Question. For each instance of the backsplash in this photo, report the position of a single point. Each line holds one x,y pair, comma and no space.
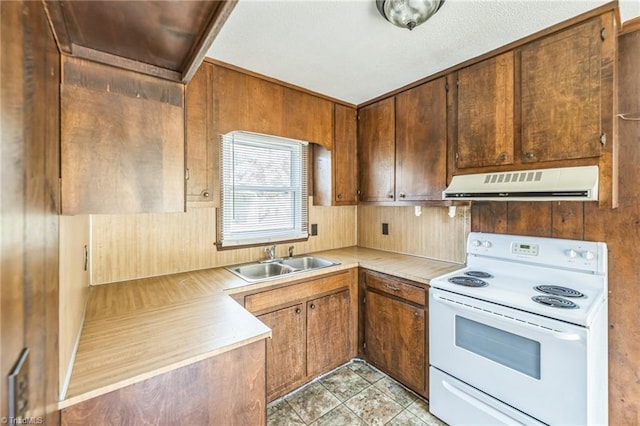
126,247
433,234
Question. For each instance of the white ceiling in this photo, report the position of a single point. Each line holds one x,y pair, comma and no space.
346,50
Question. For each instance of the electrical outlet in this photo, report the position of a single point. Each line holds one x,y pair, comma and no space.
19,387
314,229
385,229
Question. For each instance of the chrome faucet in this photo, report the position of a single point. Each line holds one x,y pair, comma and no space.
271,253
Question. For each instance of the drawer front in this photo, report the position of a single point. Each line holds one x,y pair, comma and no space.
396,288
293,293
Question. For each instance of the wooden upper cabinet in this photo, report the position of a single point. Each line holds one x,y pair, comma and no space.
202,144
483,121
345,155
376,151
122,141
230,100
308,117
560,94
421,143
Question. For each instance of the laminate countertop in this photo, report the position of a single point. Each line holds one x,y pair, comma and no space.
134,330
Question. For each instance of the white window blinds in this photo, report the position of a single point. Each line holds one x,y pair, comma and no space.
264,189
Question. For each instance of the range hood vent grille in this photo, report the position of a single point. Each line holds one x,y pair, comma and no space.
559,184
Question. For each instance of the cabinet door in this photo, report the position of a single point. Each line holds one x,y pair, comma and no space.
421,143
122,141
308,118
376,151
484,118
345,159
286,349
201,141
395,338
560,94
328,332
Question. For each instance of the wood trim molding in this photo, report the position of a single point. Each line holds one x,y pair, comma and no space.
611,6
276,81
630,26
218,18
55,16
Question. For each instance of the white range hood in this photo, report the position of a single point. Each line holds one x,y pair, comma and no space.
559,184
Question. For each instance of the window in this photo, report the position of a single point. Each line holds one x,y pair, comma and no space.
264,189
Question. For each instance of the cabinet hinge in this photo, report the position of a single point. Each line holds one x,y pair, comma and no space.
364,346
457,83
603,34
358,117
364,300
603,139
186,174
457,157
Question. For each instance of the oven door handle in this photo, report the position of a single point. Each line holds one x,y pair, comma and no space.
498,415
555,334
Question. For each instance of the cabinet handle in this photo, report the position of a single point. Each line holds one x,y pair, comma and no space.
529,155
390,196
312,306
402,195
298,310
392,287
502,158
205,194
339,196
416,314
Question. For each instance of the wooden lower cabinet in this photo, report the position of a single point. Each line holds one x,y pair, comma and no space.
286,348
225,389
314,328
395,330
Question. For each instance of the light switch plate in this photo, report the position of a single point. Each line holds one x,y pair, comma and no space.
19,387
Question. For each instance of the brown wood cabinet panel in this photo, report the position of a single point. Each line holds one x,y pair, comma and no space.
266,107
484,113
286,350
230,101
395,338
376,151
308,118
226,389
122,141
202,145
421,142
328,332
560,94
345,156
397,288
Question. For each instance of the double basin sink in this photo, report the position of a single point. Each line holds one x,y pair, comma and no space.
261,271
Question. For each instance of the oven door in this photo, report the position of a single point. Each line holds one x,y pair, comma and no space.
535,364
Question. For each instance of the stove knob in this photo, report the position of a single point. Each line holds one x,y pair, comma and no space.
587,255
571,253
486,244
476,243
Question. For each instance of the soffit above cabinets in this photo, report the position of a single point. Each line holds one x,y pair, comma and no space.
167,39
346,50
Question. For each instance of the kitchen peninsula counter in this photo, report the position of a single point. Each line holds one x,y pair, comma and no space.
138,329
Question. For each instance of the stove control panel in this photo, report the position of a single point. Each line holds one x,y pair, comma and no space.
585,256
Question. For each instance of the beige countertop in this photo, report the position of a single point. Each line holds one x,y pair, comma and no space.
138,329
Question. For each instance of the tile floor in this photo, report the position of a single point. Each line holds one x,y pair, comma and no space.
355,394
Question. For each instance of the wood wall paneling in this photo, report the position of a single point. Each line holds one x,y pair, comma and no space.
127,247
29,245
74,288
433,234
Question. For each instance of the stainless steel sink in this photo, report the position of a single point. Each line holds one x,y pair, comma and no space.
307,262
257,271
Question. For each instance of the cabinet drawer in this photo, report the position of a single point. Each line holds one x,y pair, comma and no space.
293,293
397,288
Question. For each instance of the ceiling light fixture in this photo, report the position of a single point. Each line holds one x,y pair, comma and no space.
408,13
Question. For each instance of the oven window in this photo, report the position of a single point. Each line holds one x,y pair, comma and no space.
508,349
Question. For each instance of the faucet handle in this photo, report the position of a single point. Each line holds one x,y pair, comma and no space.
290,251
